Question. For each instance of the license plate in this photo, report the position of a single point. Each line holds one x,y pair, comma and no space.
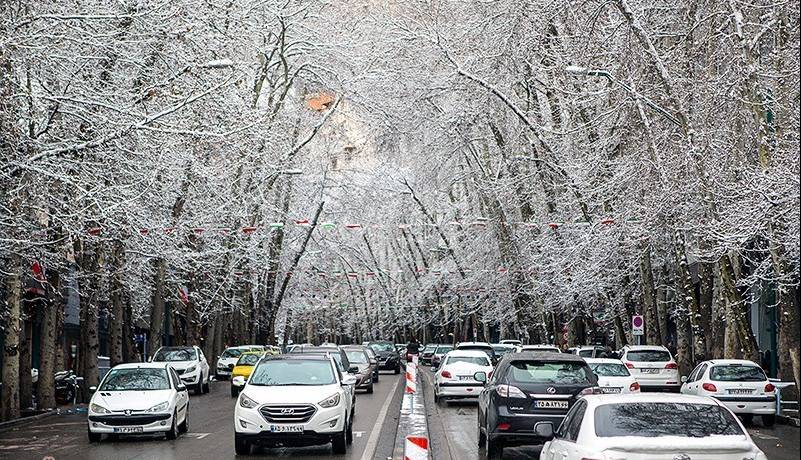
740,391
286,429
129,429
649,371
466,377
611,389
550,404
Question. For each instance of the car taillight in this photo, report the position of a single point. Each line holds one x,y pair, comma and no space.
446,375
630,366
671,366
634,387
709,387
770,388
503,426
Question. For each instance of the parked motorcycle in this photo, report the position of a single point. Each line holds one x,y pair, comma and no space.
66,387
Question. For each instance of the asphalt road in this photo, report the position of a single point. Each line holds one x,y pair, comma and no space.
211,433
454,436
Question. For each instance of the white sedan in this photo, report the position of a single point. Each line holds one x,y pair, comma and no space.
456,375
648,426
740,385
139,398
613,375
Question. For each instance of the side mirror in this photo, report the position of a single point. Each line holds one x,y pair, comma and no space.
238,381
348,380
353,370
373,361
684,379
181,387
544,430
480,377
150,359
92,389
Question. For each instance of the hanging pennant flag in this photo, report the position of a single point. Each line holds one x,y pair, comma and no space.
276,225
353,226
554,225
38,271
144,231
303,222
199,230
353,275
608,221
328,225
94,231
169,230
370,274
503,270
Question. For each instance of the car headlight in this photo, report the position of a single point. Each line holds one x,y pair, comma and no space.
331,401
246,402
190,369
160,407
98,409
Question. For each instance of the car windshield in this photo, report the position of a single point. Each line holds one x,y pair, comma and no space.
737,373
382,346
566,373
136,380
293,372
586,353
232,353
356,356
430,349
248,360
175,354
656,419
441,350
649,356
477,360
610,369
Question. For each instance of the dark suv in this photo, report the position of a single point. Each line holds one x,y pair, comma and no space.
388,357
527,388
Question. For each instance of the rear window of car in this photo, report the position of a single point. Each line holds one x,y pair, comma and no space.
610,369
232,353
649,356
477,360
430,349
737,373
585,353
657,419
248,360
445,349
565,373
381,346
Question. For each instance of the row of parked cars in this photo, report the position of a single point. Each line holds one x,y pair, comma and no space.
598,408
304,396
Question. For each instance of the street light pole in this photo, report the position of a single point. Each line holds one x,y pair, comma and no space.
576,70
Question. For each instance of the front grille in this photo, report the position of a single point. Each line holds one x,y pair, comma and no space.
180,371
288,413
128,420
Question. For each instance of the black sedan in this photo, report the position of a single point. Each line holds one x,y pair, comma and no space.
527,388
388,357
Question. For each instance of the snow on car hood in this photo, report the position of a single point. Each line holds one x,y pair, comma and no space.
225,362
291,394
130,400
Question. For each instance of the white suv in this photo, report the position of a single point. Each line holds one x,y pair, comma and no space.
227,360
740,385
653,367
189,363
294,399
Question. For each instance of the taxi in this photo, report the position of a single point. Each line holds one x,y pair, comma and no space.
244,366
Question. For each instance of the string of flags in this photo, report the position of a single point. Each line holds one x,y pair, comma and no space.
480,222
369,274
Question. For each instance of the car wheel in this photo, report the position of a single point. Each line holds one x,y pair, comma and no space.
173,433
769,420
375,376
436,396
397,370
482,438
206,387
234,391
494,448
370,389
199,387
340,443
94,437
184,426
241,446
748,419
349,433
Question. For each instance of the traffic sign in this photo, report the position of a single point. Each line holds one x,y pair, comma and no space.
637,325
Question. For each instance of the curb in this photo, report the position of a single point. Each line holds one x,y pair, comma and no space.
5,426
412,422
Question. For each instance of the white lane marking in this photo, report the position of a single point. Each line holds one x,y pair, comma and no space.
358,434
196,435
372,442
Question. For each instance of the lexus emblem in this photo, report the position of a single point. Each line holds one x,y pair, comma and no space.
127,412
552,390
682,457
288,411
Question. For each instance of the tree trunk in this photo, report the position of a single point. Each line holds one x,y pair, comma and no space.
737,319
157,308
91,271
45,387
652,334
116,323
10,394
26,345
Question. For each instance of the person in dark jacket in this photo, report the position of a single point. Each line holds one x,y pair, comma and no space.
413,348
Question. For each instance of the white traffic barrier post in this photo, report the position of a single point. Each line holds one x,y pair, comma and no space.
416,448
411,376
